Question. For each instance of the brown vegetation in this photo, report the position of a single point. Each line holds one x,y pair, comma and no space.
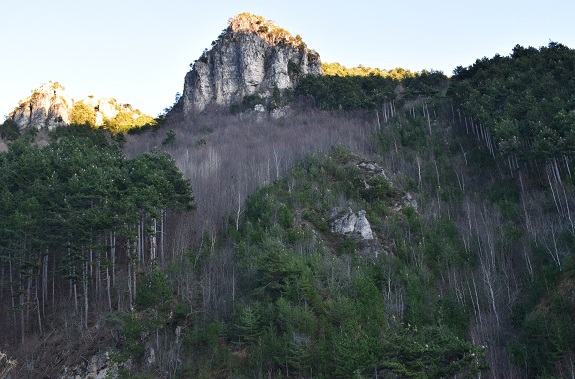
226,157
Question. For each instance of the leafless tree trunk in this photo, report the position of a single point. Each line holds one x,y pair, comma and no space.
153,241
131,292
85,285
162,236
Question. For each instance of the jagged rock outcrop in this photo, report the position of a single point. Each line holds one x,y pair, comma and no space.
406,200
99,366
251,56
346,222
48,106
373,169
105,108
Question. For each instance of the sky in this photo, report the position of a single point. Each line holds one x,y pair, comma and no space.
139,51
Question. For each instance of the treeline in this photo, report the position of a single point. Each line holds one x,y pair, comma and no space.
352,90
336,69
526,100
80,223
126,119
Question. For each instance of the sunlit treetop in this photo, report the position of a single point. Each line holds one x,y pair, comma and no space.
337,69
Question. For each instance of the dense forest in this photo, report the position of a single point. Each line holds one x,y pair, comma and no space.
67,209
470,198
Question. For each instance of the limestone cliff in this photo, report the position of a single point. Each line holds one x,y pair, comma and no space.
49,106
252,55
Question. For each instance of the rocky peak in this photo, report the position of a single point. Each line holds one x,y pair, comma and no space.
265,29
47,107
251,56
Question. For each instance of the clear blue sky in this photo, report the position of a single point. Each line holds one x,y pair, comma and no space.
139,51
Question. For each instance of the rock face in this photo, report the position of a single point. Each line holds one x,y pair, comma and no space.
47,107
251,56
406,200
99,366
346,222
105,108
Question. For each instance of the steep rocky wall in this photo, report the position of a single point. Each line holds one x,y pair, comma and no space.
47,107
251,56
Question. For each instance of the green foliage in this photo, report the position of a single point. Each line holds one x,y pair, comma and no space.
525,100
130,330
336,69
154,291
294,70
310,308
412,132
83,114
367,89
545,321
347,93
248,103
170,138
9,130
248,323
127,119
64,199
204,335
377,189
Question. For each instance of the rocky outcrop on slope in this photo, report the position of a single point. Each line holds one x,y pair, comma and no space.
49,106
346,222
251,56
105,108
98,367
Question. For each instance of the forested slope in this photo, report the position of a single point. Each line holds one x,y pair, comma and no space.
526,101
79,223
470,270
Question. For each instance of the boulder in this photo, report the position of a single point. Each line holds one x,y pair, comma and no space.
346,222
363,227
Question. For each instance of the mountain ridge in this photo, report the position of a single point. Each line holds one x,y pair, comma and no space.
49,106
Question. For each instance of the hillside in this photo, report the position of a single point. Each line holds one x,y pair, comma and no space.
392,224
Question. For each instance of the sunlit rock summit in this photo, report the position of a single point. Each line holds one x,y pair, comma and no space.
47,107
50,106
251,56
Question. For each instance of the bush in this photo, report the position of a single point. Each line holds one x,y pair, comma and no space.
83,114
9,130
169,139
